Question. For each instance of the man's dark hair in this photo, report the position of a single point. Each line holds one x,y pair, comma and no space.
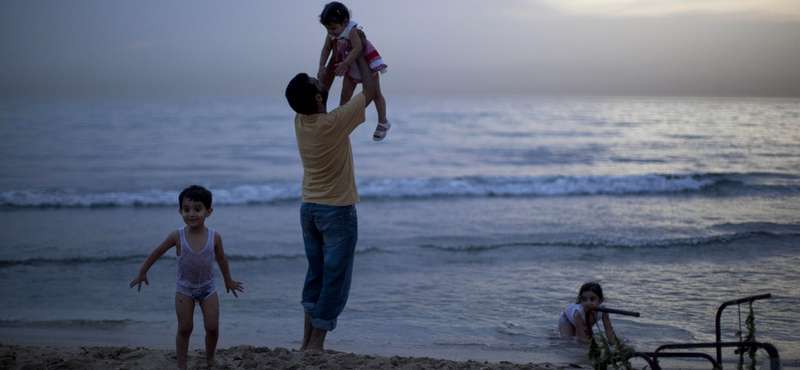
301,95
196,193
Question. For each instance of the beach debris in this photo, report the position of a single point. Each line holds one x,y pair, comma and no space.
750,324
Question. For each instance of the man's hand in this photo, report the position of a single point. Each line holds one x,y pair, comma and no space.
321,73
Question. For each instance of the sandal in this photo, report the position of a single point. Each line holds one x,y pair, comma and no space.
379,135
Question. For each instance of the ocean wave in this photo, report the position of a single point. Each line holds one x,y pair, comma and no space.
68,324
72,198
68,260
137,259
623,243
477,186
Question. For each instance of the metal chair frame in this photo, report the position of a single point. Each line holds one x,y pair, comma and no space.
652,357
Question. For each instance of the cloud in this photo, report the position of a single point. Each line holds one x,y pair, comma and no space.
757,9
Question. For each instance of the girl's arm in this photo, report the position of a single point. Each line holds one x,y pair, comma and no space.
612,337
580,328
323,57
222,261
355,52
172,240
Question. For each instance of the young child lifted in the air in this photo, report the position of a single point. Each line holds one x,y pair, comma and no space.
344,42
197,247
579,318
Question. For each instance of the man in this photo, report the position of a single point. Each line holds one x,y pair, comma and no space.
328,213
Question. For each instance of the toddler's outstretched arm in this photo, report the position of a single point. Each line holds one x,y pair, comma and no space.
222,260
172,240
612,337
580,328
355,52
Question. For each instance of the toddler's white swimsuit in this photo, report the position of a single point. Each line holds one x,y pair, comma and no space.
196,276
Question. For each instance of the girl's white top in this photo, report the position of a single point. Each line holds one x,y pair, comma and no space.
569,312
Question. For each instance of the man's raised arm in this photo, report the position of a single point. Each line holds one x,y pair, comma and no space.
327,79
367,81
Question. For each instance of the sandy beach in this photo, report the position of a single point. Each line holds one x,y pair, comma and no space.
18,357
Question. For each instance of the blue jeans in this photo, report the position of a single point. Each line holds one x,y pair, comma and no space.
329,234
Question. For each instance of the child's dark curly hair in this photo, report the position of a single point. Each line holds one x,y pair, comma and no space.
334,12
195,193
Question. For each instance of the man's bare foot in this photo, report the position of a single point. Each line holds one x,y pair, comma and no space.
317,340
307,329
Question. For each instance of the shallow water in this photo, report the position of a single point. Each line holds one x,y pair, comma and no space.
479,220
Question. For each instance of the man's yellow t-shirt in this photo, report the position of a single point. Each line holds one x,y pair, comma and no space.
324,143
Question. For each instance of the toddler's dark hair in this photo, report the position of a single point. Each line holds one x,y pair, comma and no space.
196,193
334,12
590,287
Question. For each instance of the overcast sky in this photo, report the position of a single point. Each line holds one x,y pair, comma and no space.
543,47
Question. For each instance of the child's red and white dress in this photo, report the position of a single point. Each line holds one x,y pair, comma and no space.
343,48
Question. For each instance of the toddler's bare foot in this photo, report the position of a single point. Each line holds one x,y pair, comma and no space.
212,363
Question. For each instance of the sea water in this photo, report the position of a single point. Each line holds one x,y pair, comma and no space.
479,220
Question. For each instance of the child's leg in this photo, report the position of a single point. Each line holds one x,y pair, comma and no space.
566,329
348,88
380,106
184,308
380,102
210,307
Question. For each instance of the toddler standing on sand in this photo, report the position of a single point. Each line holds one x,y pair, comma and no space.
580,317
197,247
346,45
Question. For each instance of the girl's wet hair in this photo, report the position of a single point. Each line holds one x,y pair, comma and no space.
334,12
590,287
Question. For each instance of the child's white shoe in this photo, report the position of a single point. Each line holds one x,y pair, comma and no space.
379,135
